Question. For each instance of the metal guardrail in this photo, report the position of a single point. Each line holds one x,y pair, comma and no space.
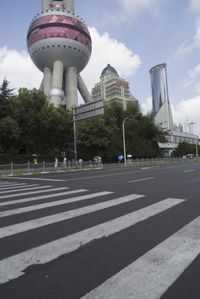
30,168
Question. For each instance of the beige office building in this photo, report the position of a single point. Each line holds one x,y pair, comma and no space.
112,88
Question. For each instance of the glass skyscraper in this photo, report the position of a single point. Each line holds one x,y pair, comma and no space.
159,86
160,96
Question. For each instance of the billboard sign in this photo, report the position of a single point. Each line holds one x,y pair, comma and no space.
89,110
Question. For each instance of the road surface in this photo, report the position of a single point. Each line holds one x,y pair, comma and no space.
110,233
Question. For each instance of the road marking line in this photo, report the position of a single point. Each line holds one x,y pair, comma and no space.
153,273
50,189
7,182
27,188
18,201
12,185
14,266
36,223
38,179
190,170
16,187
51,204
140,180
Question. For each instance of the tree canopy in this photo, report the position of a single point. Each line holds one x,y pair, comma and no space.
30,124
103,136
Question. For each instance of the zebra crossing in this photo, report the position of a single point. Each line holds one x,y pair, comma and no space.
164,262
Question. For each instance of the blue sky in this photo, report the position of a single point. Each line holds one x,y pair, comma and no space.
131,35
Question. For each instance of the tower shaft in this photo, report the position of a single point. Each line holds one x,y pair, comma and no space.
46,4
56,93
69,4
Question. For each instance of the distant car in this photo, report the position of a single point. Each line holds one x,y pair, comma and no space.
190,156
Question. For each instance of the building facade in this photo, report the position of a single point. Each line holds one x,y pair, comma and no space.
112,88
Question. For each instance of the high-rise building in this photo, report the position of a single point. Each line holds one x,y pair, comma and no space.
160,97
163,115
112,88
59,44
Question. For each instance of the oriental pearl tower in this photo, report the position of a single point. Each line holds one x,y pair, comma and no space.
59,44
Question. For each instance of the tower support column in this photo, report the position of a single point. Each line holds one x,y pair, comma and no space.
83,90
71,87
47,80
56,93
42,85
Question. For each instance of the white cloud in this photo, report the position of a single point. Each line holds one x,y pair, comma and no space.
146,106
195,72
189,45
107,50
135,6
18,68
187,110
193,79
195,5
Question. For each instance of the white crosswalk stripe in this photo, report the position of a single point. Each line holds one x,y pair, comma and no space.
51,204
16,185
33,192
28,225
23,189
3,185
164,263
36,198
13,267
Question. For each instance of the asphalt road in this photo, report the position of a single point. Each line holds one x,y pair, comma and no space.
110,233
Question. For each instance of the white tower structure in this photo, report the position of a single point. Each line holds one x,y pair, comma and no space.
59,44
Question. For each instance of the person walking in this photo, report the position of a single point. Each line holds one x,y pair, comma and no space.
56,163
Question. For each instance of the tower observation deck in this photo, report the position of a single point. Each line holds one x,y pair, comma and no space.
60,45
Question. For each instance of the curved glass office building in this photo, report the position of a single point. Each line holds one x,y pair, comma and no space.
160,96
159,86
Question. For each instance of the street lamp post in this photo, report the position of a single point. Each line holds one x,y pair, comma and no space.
75,135
124,139
197,152
197,140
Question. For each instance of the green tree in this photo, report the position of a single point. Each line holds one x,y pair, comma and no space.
93,138
5,91
185,148
9,134
43,126
5,99
103,136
